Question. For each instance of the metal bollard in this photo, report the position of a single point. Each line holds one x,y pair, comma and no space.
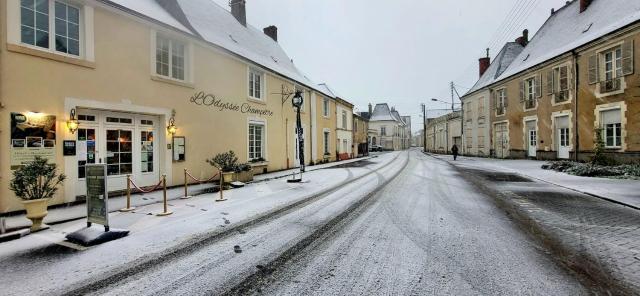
221,188
129,208
186,186
164,193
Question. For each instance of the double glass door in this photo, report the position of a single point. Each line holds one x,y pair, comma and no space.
126,143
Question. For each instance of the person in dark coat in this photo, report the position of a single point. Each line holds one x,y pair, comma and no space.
454,150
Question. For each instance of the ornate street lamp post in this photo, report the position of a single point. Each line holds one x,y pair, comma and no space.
297,103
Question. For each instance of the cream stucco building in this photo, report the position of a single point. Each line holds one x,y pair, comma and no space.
126,70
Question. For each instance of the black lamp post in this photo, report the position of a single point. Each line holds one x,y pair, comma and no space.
297,103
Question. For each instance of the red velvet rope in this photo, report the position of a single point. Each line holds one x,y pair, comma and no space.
202,181
146,191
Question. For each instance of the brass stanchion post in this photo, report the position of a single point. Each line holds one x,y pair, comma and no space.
221,187
129,208
186,186
164,193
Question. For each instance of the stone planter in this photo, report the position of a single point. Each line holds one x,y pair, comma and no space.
36,211
244,176
227,177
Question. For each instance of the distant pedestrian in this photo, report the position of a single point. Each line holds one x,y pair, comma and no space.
454,150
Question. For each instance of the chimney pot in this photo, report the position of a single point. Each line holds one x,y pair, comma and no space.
271,31
370,109
239,11
584,4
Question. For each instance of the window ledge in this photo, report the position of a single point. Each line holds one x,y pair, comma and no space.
257,101
257,164
50,55
172,81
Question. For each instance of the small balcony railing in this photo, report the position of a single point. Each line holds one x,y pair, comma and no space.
500,110
562,96
610,85
529,104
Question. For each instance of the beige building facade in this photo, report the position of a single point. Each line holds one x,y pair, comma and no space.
126,73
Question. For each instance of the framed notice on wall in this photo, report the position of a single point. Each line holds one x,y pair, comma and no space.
32,134
179,148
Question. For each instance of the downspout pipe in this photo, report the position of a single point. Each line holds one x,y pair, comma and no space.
576,82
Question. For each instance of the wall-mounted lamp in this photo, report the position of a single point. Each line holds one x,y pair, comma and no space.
171,128
72,123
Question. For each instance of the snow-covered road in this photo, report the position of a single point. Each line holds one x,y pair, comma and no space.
427,233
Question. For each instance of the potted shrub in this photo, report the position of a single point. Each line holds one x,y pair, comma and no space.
244,173
225,162
35,183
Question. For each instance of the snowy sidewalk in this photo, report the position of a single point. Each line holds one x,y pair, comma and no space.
194,221
625,192
79,211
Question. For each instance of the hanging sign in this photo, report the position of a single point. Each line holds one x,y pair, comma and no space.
97,197
212,101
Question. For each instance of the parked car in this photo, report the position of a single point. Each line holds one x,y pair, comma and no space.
376,148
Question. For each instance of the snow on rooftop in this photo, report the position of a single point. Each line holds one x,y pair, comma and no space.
381,112
217,26
151,9
568,29
500,63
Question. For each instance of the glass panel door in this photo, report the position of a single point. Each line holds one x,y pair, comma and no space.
146,152
119,152
86,149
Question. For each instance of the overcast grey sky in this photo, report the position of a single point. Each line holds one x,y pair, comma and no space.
402,52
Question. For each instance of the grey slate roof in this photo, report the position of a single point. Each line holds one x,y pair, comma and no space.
500,63
216,25
381,112
568,29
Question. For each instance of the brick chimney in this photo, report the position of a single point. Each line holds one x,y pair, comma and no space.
584,4
524,39
271,31
484,63
238,10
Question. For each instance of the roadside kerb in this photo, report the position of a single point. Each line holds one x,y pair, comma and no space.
16,222
182,249
585,264
552,183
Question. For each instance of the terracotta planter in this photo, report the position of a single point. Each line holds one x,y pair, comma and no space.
244,176
36,211
227,177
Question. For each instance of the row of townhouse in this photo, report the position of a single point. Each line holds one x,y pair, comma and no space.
387,128
573,85
152,87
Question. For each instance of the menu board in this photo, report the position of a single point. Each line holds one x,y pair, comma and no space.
97,197
32,134
179,148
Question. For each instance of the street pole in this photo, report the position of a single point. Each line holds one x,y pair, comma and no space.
424,127
297,104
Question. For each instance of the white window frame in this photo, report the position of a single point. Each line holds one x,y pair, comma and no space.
256,72
326,139
85,29
557,84
173,40
617,143
344,119
326,107
616,63
263,148
530,93
383,131
502,97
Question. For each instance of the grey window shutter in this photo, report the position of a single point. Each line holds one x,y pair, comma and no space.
521,90
495,100
506,99
571,76
538,85
627,57
550,81
593,69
